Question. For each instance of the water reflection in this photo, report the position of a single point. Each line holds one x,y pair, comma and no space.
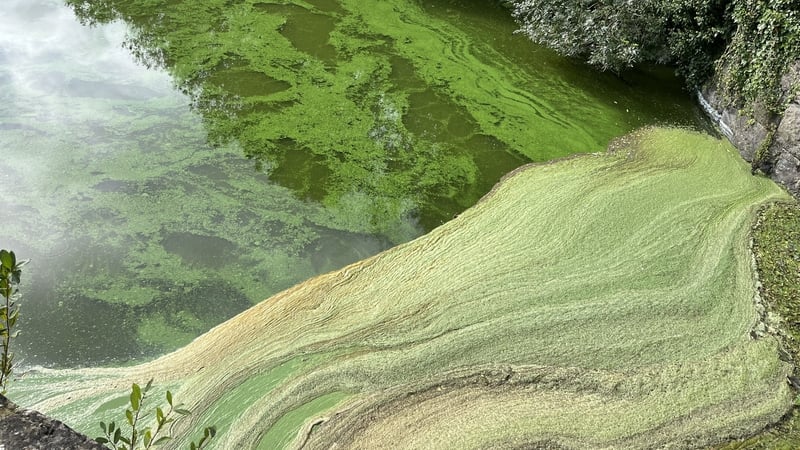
285,83
142,236
48,57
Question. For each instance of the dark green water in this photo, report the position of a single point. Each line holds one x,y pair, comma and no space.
166,164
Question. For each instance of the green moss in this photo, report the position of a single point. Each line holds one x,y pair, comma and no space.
777,247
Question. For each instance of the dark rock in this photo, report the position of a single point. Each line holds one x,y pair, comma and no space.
786,148
781,160
744,133
22,429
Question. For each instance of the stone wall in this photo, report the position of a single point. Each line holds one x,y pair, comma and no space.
781,160
23,429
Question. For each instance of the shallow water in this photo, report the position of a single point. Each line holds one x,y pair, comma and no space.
166,164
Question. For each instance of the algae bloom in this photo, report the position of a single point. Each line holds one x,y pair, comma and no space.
606,300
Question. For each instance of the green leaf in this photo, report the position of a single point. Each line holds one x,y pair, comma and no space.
169,398
149,384
103,426
159,416
192,446
7,258
129,416
136,395
101,440
117,435
148,436
183,412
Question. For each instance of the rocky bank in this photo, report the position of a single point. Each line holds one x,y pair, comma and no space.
771,144
23,429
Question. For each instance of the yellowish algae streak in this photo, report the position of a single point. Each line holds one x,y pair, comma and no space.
602,301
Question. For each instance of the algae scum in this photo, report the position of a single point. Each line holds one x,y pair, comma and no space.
167,164
616,311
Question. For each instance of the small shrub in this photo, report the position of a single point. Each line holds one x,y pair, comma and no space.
10,272
136,437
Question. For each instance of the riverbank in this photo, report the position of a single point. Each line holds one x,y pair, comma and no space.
775,238
770,142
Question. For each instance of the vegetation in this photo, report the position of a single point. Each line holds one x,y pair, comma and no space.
749,43
608,34
138,437
776,244
777,250
604,300
10,273
765,43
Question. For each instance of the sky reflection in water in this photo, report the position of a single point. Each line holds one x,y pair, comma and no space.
141,235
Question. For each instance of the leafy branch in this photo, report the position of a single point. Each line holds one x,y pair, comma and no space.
10,272
139,438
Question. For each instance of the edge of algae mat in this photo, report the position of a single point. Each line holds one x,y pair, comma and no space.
605,300
776,235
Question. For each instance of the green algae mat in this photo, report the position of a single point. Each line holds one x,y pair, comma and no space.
170,163
602,301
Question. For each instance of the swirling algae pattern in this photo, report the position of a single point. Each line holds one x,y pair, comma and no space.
601,301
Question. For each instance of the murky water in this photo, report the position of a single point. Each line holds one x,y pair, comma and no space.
166,164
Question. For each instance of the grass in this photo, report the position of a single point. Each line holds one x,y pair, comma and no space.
605,300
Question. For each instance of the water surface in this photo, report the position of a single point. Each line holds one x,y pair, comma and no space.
166,164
